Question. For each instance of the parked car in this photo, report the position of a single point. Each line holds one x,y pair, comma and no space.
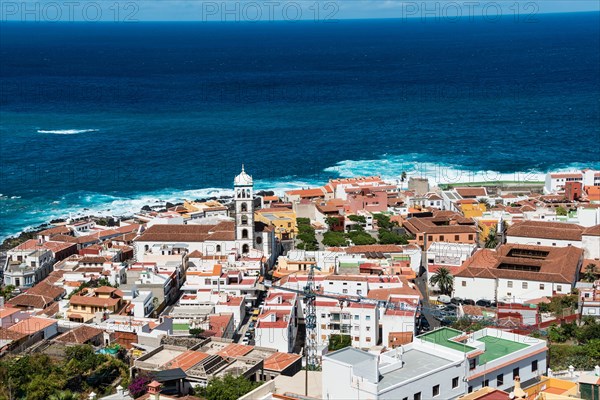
245,341
468,302
483,303
456,300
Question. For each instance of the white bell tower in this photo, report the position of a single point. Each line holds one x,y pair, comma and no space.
244,211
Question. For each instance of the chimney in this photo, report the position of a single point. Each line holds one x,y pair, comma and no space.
597,370
120,390
154,390
517,392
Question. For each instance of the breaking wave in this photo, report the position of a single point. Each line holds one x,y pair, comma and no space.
66,131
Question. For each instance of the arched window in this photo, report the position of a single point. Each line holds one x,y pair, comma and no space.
258,240
248,193
244,220
244,233
245,248
244,207
218,248
146,247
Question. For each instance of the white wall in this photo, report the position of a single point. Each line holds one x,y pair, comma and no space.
542,242
591,246
475,289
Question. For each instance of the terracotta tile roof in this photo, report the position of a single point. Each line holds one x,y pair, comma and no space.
472,310
64,238
224,230
219,323
5,312
280,361
439,225
384,294
32,325
546,264
8,334
471,191
319,192
49,311
592,231
27,300
235,350
546,230
47,289
186,360
57,230
195,254
80,335
53,246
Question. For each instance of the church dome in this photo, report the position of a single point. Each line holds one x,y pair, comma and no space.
243,179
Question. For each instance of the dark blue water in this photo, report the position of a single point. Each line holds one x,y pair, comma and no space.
110,116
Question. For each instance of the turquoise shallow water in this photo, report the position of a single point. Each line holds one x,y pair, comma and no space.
109,117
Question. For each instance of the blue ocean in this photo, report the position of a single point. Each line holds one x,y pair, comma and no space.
108,117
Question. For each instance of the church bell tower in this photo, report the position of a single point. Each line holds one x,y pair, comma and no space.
244,211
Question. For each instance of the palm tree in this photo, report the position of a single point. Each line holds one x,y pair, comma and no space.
590,273
491,241
444,280
485,202
403,176
64,395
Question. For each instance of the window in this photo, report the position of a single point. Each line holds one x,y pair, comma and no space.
534,366
472,363
430,238
470,237
455,382
368,328
509,284
417,396
323,326
356,338
405,398
356,317
359,291
470,389
368,339
464,283
322,315
218,248
435,391
289,224
441,238
244,233
244,207
368,317
244,220
541,286
500,380
515,373
456,238
486,383
344,291
559,288
524,285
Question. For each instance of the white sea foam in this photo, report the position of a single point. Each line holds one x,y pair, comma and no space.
391,168
67,131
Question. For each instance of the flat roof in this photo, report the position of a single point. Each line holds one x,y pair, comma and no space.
416,363
442,337
350,355
496,347
164,356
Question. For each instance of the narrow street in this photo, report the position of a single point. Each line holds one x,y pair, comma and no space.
421,283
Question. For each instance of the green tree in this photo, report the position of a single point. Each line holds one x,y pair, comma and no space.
444,280
403,176
361,238
6,292
485,202
228,388
387,237
561,211
337,342
334,239
333,222
357,218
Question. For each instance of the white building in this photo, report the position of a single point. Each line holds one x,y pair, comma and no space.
517,273
543,233
589,300
25,268
555,182
443,364
359,321
590,241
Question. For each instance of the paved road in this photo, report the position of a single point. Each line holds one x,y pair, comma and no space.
421,282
